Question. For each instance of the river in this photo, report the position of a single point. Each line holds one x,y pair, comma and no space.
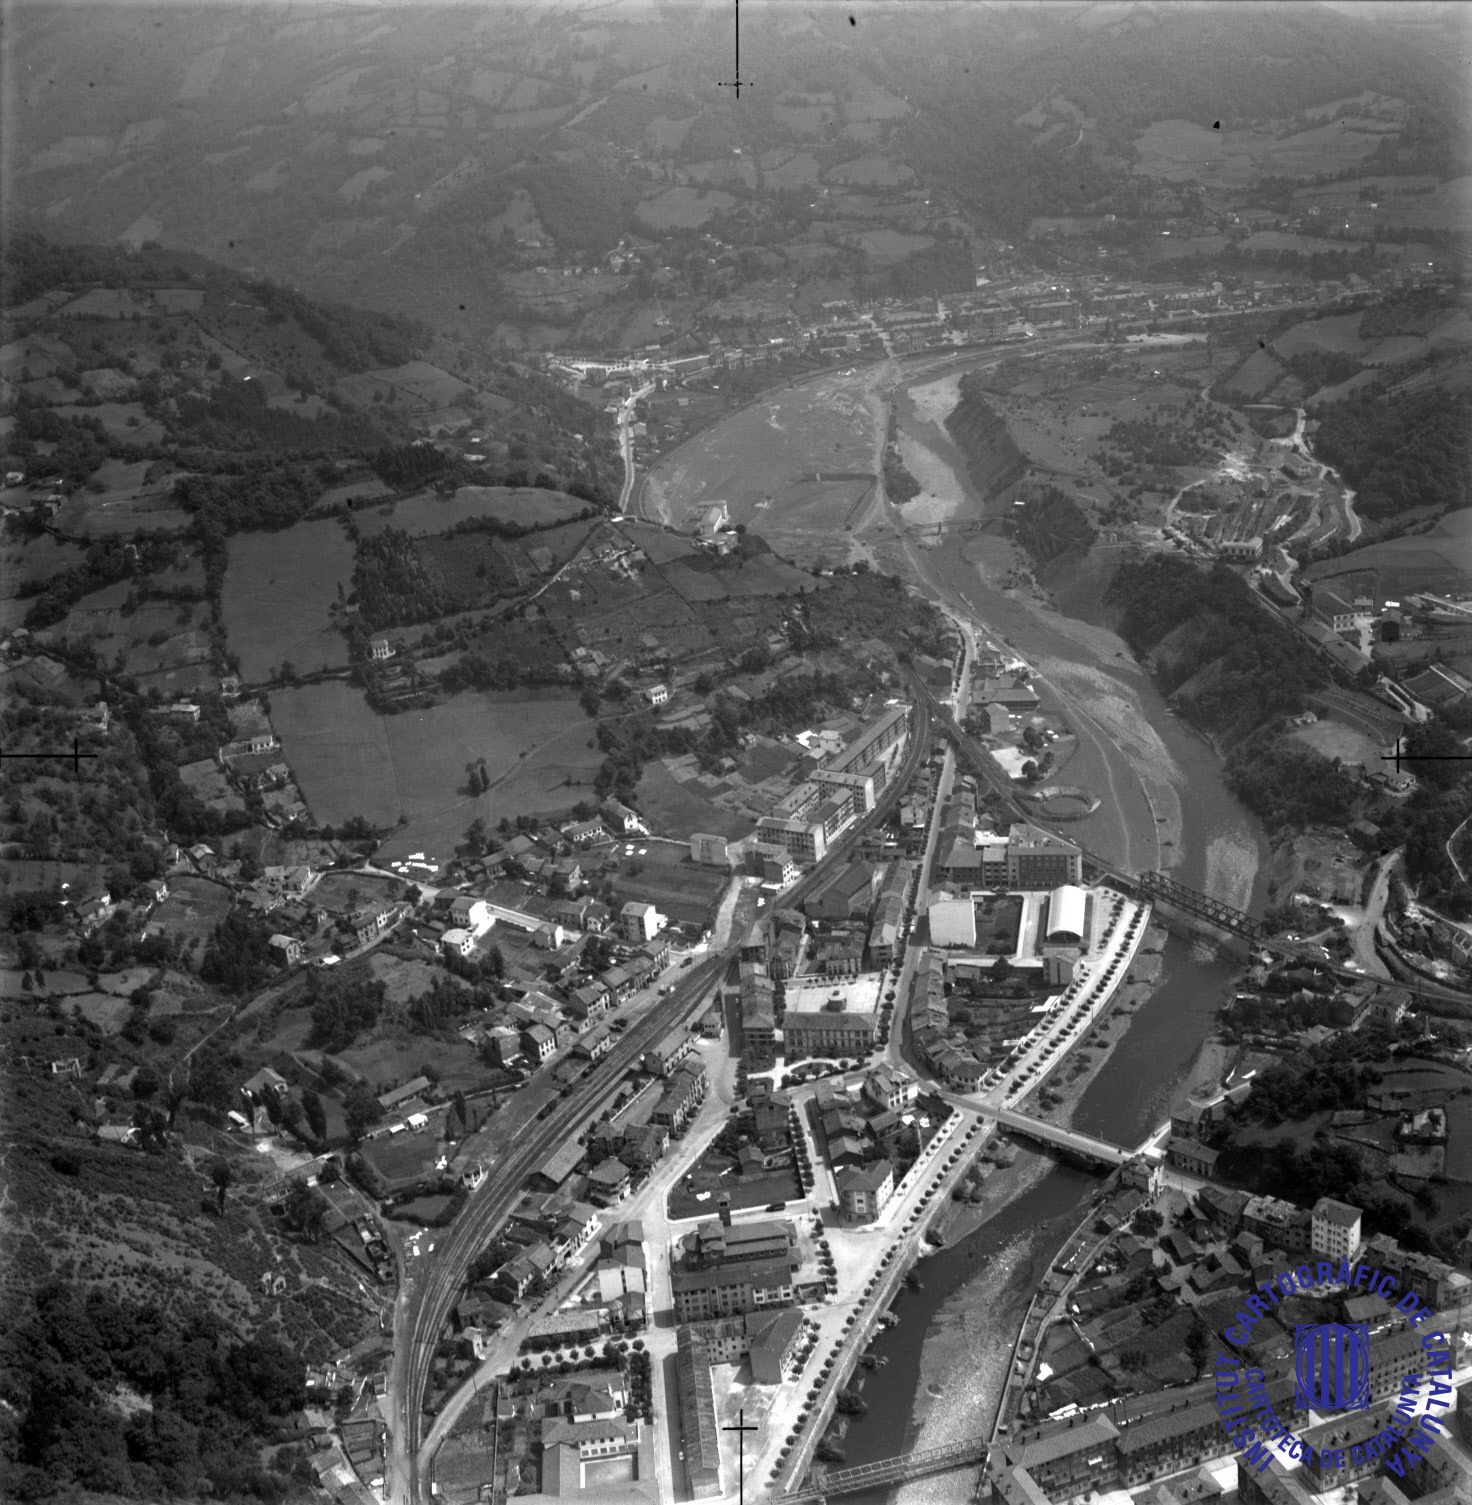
945,1362
1165,806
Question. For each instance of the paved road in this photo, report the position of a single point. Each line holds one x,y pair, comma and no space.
626,441
430,1290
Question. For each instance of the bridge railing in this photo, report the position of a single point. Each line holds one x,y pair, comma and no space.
886,1471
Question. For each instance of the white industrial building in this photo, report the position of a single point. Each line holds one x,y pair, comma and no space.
1067,922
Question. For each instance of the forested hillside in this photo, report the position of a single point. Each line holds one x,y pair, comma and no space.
149,1402
261,397
1402,451
1234,665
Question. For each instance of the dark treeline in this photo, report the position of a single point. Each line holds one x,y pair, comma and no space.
239,414
239,955
342,1009
30,264
394,586
354,339
269,494
108,561
628,743
1423,824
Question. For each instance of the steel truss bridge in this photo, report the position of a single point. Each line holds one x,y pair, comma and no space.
1202,906
847,1481
1157,886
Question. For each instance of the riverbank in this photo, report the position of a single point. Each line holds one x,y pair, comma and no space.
1165,806
1027,1210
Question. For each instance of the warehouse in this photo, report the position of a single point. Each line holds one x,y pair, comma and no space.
1067,922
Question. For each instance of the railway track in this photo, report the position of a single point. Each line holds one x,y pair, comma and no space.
418,1331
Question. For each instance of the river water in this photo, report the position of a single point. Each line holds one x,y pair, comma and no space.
945,1362
976,1291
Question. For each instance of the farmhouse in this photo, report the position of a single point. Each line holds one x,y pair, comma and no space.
1334,611
470,913
708,850
588,1002
846,896
539,1043
457,942
286,949
887,1088
369,924
803,839
952,922
1011,697
619,817
398,1096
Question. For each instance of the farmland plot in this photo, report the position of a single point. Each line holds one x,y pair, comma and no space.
277,598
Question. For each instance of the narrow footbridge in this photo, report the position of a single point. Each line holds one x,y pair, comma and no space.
1068,1139
848,1481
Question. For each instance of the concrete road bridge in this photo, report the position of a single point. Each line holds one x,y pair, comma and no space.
1040,1129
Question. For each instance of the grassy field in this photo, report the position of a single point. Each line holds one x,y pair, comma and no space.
874,170
764,576
277,594
159,635
99,517
1180,149
38,559
422,387
127,422
1335,740
1440,560
338,749
1339,335
350,761
683,208
1256,376
677,807
893,245
785,168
